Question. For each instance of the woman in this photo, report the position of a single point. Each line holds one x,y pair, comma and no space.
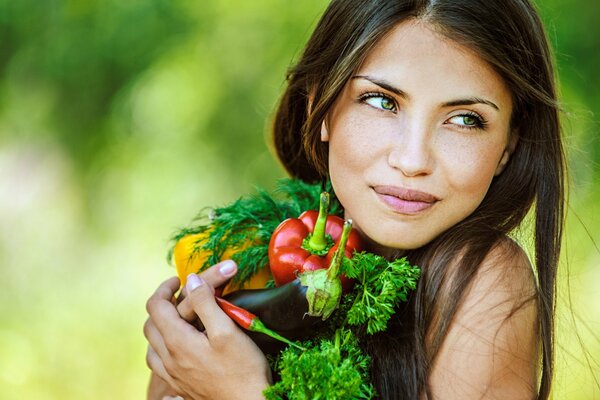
437,123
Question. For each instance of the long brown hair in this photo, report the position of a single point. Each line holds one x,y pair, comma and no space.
509,35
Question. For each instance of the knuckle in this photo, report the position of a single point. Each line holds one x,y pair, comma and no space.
149,360
147,328
184,308
152,360
151,304
174,344
220,338
201,295
188,313
170,345
170,366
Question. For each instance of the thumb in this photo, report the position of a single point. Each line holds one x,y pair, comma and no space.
203,302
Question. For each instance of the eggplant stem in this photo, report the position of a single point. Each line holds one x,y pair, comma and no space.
336,261
258,326
318,241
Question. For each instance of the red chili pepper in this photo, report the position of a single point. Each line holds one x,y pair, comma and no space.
249,321
307,243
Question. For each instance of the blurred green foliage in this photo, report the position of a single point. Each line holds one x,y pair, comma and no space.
120,120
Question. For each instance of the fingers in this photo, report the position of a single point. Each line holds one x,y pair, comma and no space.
155,363
168,288
163,313
217,275
202,299
155,339
220,273
186,310
214,276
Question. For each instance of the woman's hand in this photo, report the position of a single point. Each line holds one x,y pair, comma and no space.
220,363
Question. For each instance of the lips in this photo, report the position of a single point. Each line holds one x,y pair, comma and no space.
405,201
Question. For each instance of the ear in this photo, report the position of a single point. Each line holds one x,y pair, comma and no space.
510,148
324,132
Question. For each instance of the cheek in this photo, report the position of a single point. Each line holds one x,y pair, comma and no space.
345,165
468,170
351,146
353,152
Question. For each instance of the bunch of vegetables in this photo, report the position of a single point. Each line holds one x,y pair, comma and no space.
305,279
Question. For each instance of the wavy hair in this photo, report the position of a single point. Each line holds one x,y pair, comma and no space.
509,35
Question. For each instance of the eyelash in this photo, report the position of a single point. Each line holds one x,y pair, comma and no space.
480,122
370,95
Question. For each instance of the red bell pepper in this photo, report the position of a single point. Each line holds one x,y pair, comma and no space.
308,243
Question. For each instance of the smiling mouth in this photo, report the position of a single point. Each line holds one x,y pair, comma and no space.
404,201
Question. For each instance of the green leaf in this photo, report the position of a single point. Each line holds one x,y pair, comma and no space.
381,286
332,369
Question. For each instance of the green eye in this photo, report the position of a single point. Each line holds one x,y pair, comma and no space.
381,102
467,121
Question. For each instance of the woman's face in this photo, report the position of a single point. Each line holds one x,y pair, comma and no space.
416,137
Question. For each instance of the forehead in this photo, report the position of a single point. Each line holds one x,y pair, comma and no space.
415,56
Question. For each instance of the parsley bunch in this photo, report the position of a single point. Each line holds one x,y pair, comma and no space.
334,366
330,369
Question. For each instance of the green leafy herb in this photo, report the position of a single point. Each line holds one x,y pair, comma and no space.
334,366
381,286
332,369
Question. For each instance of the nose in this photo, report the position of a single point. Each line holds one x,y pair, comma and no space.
411,153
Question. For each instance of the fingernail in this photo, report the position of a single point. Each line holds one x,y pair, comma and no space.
193,281
227,268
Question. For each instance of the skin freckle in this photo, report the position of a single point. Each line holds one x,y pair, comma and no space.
414,146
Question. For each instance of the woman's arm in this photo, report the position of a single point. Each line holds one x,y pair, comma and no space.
491,349
220,363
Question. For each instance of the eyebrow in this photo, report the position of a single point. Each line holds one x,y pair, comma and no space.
470,101
459,102
383,84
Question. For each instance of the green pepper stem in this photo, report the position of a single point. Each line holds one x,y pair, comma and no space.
318,241
258,326
336,261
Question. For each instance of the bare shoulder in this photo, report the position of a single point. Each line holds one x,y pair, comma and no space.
503,285
490,350
505,275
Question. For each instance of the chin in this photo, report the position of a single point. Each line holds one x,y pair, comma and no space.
407,244
387,244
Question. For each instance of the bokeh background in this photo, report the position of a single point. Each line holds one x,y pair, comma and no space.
120,120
